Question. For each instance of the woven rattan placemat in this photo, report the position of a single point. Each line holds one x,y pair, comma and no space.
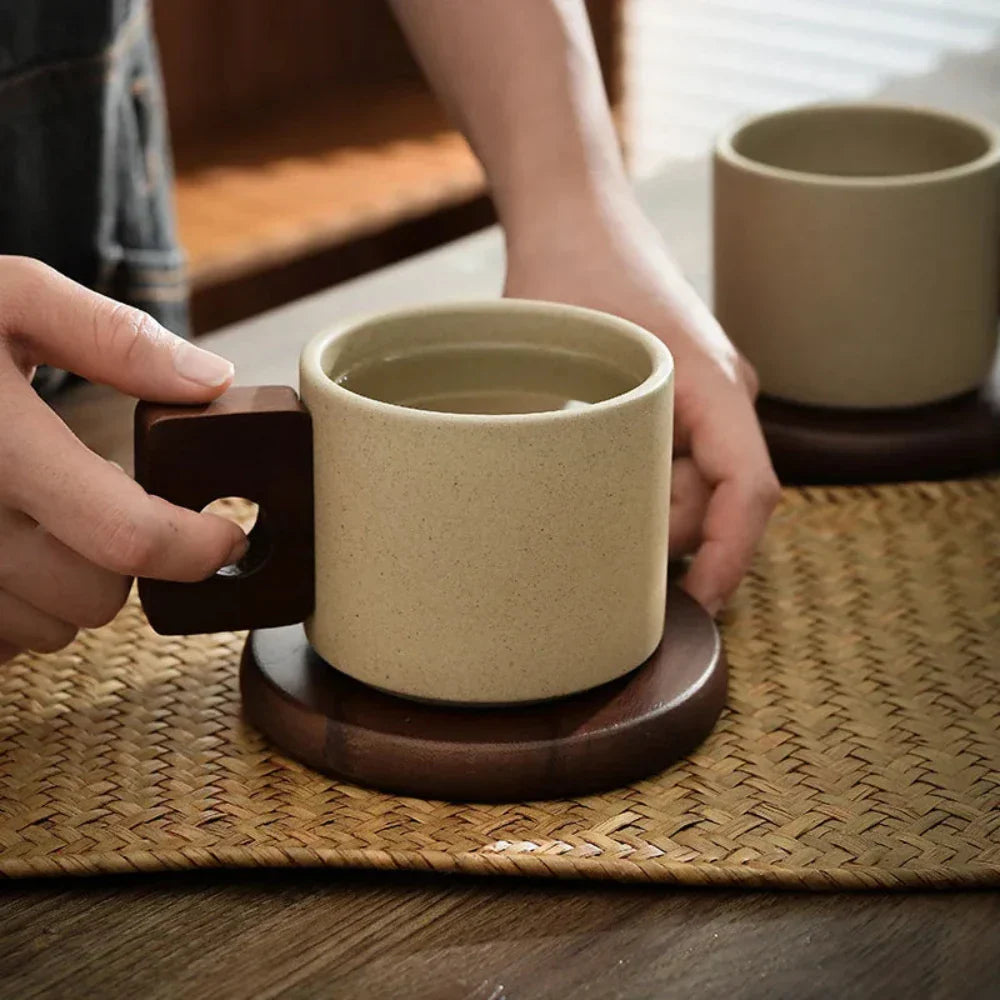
861,747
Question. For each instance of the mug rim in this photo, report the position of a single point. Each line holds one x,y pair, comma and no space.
311,367
725,147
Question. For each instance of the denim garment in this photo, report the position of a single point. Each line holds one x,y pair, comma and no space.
85,170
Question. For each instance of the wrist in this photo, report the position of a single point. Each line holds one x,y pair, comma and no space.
576,209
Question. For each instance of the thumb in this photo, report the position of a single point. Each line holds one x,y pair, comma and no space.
49,319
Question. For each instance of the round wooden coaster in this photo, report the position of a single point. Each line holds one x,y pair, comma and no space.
960,437
600,739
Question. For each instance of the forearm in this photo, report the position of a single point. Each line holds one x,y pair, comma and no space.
522,81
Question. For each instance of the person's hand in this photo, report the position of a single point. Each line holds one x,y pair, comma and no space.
724,488
74,528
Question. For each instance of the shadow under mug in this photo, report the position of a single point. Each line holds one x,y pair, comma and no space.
459,557
856,252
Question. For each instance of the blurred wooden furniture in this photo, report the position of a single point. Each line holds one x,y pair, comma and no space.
308,148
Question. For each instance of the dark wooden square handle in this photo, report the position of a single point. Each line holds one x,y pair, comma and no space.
253,442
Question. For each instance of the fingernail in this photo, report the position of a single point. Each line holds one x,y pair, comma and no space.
712,604
238,551
200,366
713,607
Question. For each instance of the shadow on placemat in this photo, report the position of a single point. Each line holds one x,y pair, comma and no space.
861,747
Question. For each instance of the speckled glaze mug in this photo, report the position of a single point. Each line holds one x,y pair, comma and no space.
481,558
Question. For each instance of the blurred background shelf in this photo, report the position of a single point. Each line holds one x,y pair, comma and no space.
264,194
281,207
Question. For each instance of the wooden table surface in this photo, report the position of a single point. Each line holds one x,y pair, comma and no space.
375,935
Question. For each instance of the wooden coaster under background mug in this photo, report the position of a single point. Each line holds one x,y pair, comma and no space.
857,266
468,507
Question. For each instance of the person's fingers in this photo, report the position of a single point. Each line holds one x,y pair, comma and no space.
689,496
47,318
40,570
733,526
7,651
729,450
26,627
96,509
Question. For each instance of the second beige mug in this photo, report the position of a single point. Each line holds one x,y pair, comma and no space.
856,252
473,557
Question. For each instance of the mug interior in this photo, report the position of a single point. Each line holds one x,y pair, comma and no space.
485,331
862,141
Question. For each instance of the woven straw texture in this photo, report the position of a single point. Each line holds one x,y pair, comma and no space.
861,746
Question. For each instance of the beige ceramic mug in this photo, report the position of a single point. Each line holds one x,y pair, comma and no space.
476,557
856,252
